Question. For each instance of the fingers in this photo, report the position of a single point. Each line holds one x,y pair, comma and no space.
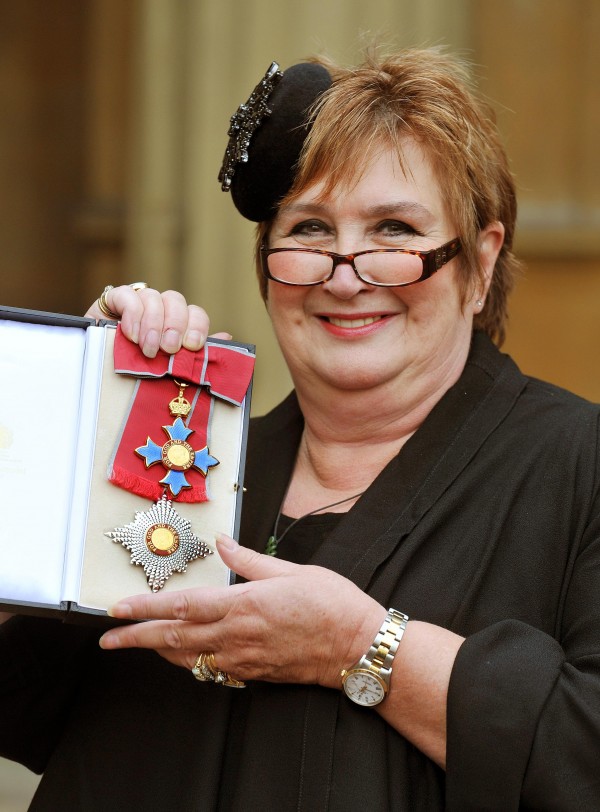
183,325
173,618
202,605
142,318
178,622
196,330
157,320
244,625
211,604
167,322
160,635
249,564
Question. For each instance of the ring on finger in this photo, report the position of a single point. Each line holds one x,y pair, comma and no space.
103,304
206,670
201,670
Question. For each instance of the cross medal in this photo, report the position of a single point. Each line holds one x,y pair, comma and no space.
159,539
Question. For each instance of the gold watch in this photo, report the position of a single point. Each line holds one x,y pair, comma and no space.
368,682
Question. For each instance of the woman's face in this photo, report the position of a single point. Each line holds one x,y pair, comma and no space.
351,335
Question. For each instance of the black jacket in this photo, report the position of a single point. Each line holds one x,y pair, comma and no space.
486,523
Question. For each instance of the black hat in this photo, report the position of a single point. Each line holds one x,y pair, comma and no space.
266,137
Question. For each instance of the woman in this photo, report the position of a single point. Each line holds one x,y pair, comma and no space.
414,473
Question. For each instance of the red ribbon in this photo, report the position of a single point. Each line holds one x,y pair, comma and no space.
225,370
222,371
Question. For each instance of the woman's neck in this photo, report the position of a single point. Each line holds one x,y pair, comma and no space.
349,437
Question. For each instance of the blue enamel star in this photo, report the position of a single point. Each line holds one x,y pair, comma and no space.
177,456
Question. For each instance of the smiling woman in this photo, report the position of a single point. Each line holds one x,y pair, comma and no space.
337,335
424,632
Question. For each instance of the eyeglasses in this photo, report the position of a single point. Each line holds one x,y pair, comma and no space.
385,267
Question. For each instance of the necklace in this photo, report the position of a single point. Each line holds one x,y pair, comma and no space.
273,542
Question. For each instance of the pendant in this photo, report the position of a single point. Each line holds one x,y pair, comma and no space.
271,547
177,456
161,541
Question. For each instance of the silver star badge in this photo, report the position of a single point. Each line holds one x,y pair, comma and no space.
161,541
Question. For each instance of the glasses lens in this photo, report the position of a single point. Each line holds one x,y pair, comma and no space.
299,267
389,268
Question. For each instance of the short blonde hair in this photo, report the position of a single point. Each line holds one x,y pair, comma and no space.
429,96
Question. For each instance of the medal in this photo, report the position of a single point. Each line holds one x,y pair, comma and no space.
159,539
177,456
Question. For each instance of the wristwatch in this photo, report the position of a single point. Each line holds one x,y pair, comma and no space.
368,682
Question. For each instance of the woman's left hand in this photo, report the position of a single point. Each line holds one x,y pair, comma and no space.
288,623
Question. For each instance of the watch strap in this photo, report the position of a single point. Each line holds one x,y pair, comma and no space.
380,656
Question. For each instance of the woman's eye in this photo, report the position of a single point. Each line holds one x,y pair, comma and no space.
395,228
309,228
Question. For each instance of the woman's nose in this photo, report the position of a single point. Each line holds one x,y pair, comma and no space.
345,282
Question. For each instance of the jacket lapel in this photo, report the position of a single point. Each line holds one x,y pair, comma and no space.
408,486
426,466
272,447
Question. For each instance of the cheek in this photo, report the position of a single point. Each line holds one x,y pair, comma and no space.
285,303
417,303
431,304
273,302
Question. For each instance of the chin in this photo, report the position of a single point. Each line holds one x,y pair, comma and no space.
356,380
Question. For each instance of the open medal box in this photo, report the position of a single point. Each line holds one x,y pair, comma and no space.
102,469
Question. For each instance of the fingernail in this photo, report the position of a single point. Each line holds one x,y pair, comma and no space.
171,341
151,344
120,610
228,336
105,641
135,332
193,340
226,541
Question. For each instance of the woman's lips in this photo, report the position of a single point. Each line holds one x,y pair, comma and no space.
359,324
350,323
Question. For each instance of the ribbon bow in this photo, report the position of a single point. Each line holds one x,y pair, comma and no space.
217,370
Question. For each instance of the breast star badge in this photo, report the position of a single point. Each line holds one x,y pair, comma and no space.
161,541
177,456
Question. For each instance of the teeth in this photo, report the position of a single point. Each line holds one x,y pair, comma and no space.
354,322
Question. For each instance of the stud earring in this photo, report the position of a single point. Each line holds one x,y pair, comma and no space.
479,303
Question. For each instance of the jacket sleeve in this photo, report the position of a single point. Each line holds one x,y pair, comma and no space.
524,707
41,662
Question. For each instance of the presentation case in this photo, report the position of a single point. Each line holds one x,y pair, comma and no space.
63,409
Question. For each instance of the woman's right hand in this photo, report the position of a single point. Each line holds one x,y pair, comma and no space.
157,320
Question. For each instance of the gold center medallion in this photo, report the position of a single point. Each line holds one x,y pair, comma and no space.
162,539
178,455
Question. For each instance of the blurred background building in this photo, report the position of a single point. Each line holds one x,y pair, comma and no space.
113,126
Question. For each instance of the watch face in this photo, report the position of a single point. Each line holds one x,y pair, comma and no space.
364,688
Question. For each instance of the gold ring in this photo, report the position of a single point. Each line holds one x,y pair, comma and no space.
138,285
103,305
206,670
201,671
